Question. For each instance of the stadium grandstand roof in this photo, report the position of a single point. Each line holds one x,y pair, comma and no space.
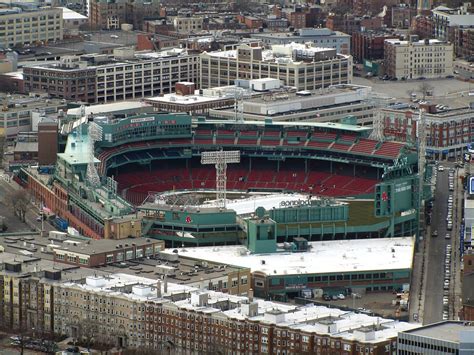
327,125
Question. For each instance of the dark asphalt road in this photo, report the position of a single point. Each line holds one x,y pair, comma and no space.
433,301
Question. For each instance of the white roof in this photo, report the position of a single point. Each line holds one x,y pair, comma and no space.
105,108
184,100
309,318
68,14
416,43
323,257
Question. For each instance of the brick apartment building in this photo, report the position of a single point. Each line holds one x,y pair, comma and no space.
369,45
448,131
108,15
130,311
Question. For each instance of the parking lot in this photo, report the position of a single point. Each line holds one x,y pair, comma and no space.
382,303
450,92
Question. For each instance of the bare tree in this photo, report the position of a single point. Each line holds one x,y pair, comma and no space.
21,341
425,89
19,201
88,332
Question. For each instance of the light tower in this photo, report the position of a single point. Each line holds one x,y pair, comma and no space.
221,159
379,126
94,132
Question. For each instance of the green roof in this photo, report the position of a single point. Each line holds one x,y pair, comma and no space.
77,150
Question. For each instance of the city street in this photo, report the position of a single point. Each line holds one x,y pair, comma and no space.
13,222
436,250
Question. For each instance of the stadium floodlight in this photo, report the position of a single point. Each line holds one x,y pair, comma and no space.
221,158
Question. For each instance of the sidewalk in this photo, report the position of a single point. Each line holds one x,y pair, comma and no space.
418,283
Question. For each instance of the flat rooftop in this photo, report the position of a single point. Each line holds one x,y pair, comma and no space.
186,99
279,53
309,318
302,34
445,331
345,93
108,108
91,247
341,256
416,43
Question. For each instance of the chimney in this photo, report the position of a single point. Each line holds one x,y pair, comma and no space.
250,295
158,289
165,288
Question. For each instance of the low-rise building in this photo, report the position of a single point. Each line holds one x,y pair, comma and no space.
19,110
109,15
20,25
464,42
274,23
251,22
448,131
103,252
449,337
190,102
414,59
402,16
72,21
369,45
188,24
445,19
422,26
320,37
300,65
104,78
156,315
366,266
131,311
327,105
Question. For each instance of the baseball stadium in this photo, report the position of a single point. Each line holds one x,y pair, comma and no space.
146,176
